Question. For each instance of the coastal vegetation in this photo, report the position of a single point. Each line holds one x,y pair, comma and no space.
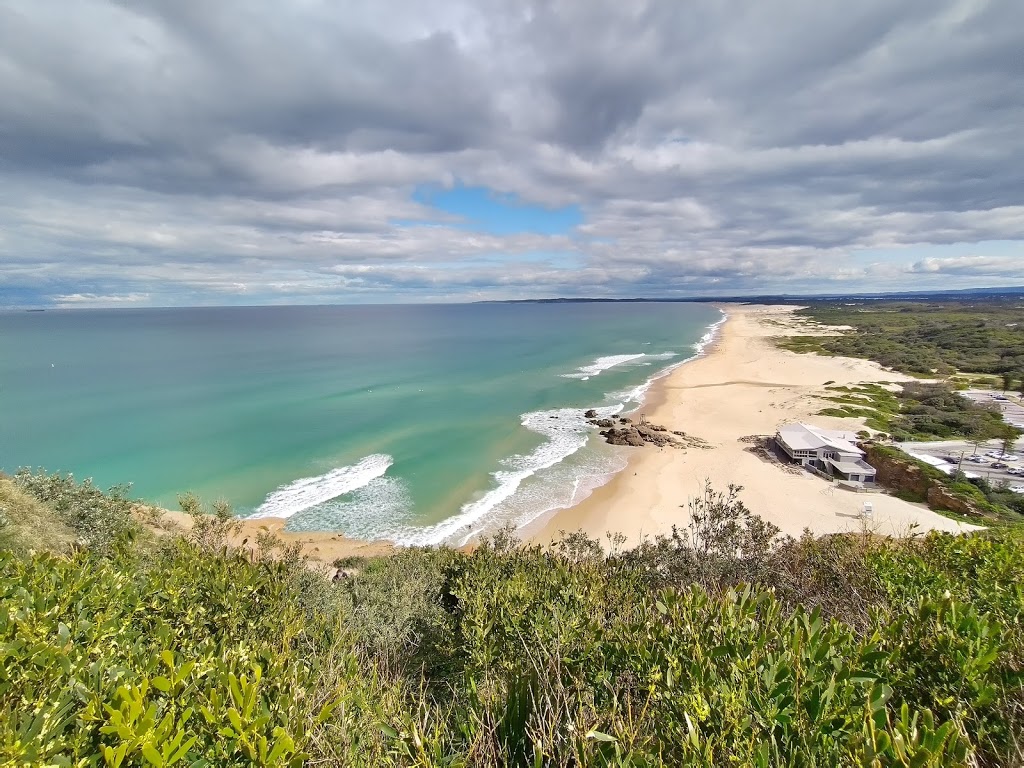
722,644
957,345
919,411
925,338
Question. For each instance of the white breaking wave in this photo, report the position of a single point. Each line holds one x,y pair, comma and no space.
307,492
566,431
379,509
584,372
634,396
637,394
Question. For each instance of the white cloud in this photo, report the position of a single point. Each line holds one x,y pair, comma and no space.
151,151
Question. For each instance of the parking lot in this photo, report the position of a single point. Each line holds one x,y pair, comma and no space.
974,461
1009,403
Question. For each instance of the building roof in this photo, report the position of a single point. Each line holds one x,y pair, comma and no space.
852,466
803,437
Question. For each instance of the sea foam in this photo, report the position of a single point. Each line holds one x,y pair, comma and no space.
566,431
584,372
379,509
307,492
379,504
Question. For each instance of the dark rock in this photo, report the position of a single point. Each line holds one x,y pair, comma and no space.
624,437
625,420
605,423
591,414
634,438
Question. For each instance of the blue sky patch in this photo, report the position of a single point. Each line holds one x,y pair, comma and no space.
483,210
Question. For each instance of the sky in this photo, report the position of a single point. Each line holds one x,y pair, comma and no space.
188,152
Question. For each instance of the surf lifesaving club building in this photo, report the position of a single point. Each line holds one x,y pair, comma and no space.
829,452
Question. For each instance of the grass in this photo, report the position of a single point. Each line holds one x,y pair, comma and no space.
26,523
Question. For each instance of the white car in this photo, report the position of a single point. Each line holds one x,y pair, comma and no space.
1017,488
978,459
1003,456
1015,471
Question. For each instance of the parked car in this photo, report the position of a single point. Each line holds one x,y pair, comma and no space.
1010,457
1000,465
1016,471
1017,488
978,459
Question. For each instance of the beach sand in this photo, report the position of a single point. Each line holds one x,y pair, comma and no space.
743,385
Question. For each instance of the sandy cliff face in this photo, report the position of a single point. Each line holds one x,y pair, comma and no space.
905,476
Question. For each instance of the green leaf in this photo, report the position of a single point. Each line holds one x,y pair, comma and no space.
598,736
150,753
161,683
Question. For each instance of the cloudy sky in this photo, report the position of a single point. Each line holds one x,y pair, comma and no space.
174,152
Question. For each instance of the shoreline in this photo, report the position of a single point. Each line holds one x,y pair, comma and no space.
650,390
740,384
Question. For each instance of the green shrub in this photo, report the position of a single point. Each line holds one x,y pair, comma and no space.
28,524
100,520
721,644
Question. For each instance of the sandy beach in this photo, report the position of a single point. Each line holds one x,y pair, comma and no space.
744,385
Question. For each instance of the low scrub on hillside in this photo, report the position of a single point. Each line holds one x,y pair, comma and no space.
720,645
919,411
925,338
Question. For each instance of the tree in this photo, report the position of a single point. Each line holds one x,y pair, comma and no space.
1009,441
1007,380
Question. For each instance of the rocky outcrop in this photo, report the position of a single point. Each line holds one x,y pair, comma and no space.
617,436
621,430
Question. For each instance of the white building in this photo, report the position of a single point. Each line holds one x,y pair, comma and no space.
826,450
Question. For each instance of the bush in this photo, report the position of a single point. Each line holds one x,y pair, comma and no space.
192,656
719,645
100,520
28,524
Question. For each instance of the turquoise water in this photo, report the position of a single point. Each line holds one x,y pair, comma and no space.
415,423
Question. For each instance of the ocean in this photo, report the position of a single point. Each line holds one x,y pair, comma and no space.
420,424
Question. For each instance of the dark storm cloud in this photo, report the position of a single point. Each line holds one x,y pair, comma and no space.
180,152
